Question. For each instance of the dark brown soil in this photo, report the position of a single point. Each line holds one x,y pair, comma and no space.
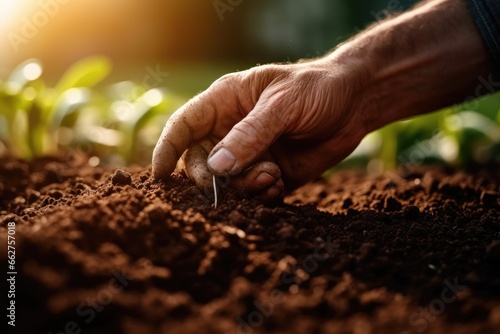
99,251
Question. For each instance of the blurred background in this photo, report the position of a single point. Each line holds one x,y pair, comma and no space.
185,36
102,76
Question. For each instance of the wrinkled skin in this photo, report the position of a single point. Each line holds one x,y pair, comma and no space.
291,122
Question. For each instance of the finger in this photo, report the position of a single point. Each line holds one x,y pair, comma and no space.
191,122
257,178
249,138
263,178
274,192
195,164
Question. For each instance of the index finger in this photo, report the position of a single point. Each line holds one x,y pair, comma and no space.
188,124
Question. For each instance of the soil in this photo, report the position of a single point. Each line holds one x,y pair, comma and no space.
106,251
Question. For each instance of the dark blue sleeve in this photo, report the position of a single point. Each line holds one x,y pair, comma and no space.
487,16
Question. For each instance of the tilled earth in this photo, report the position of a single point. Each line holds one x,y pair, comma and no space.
107,251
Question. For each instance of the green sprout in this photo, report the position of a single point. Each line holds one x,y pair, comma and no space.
39,120
460,135
34,112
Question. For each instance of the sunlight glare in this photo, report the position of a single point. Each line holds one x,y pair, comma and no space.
9,10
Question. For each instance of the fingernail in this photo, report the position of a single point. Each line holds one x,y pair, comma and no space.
264,180
273,193
222,161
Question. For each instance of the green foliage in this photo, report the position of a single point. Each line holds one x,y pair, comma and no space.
116,122
460,135
85,73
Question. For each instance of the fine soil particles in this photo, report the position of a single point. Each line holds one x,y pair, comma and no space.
100,250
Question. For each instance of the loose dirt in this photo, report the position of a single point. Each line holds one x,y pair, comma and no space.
106,251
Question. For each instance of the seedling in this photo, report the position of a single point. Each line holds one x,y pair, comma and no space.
38,120
34,112
215,192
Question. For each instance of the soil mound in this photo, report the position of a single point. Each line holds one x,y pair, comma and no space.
103,251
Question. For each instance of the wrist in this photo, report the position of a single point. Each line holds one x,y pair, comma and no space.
421,61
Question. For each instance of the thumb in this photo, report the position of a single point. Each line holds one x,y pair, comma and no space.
247,140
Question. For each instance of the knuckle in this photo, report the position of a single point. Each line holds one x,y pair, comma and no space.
246,129
270,72
224,81
255,128
249,137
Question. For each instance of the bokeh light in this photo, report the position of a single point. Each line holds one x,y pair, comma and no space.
32,71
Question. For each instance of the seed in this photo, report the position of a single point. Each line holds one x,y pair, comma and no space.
215,192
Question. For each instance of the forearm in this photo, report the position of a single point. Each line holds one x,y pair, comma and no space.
426,59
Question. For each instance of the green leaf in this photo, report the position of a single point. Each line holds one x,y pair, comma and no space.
87,72
69,102
24,73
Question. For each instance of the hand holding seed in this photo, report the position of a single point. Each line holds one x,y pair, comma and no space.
266,127
262,179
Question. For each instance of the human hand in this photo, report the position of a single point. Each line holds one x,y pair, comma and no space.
302,118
